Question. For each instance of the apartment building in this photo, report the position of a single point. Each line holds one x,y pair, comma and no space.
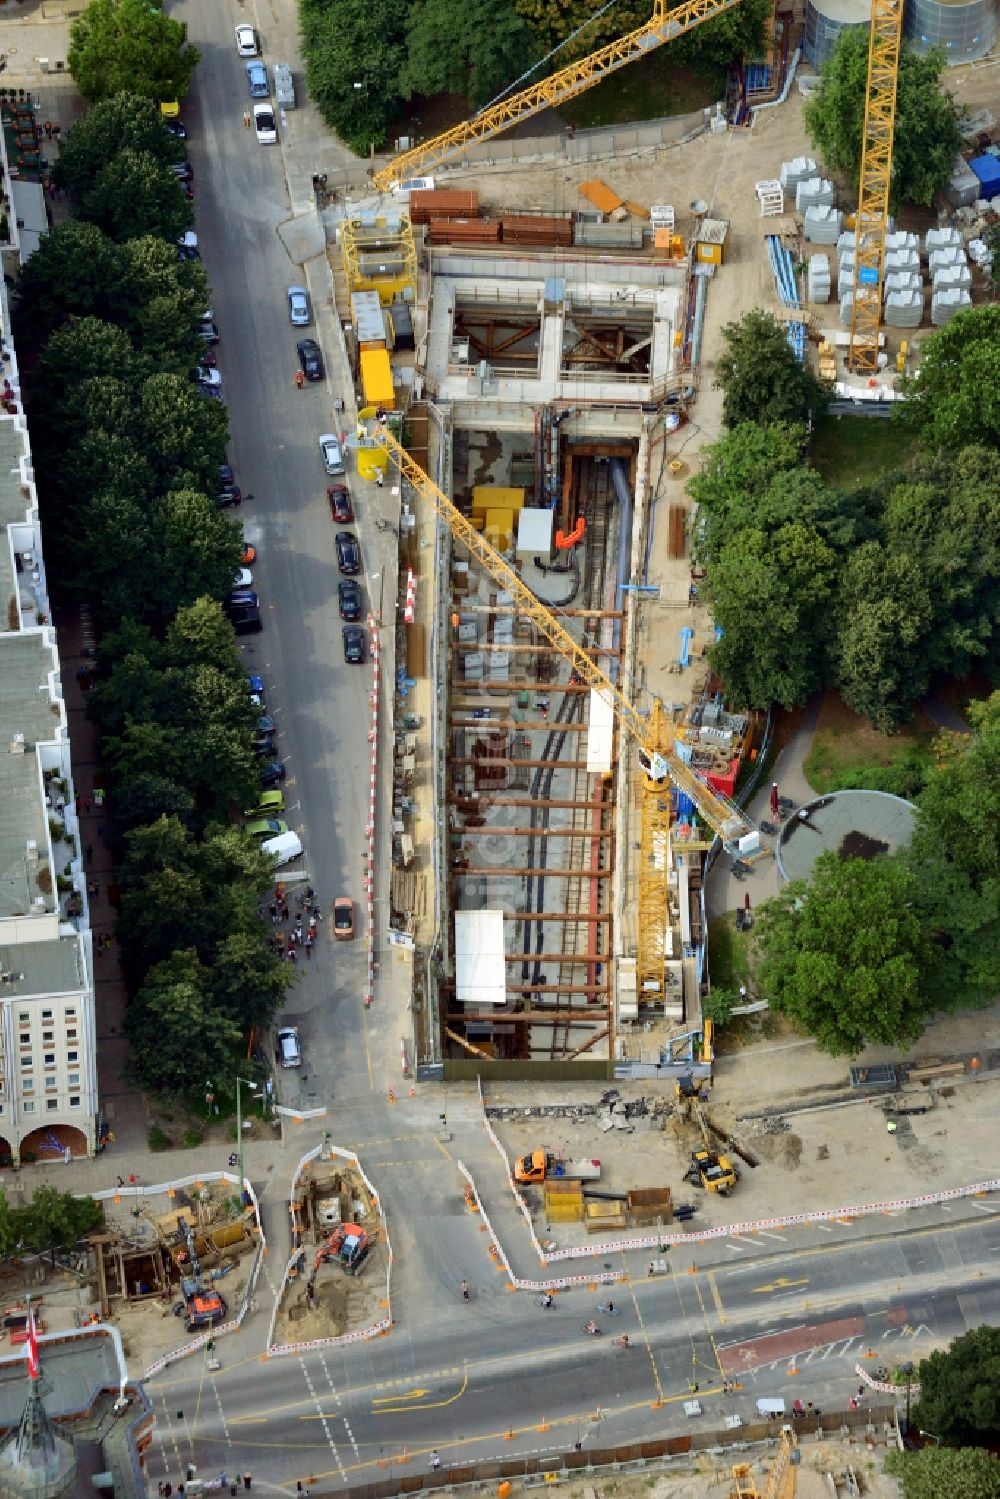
48,1058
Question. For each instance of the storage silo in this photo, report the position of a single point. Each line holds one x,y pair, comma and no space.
965,30
826,20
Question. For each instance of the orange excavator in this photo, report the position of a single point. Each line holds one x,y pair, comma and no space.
348,1245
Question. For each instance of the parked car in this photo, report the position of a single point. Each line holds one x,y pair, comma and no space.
209,357
176,128
257,81
333,458
240,598
207,375
354,645
310,358
265,827
209,331
299,311
348,554
269,804
273,773
263,123
229,494
243,578
247,621
182,170
343,918
287,1050
283,849
340,503
256,687
266,724
349,594
246,40
249,555
226,474
264,746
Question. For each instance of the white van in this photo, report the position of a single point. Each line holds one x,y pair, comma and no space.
284,848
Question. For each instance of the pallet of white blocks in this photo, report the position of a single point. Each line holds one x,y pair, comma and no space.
945,304
943,260
770,198
904,309
818,279
902,240
952,276
796,171
944,238
815,192
822,226
897,281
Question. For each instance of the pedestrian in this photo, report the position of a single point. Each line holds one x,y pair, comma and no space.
246,119
861,1392
48,130
121,1181
809,1407
652,1268
168,1489
435,1460
338,404
272,911
309,948
298,1486
67,1156
232,1490
224,1478
280,942
285,912
853,1403
299,379
246,1480
159,1487
292,957
132,1182
90,853
465,1290
86,803
378,478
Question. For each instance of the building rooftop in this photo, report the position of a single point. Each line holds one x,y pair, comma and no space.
13,502
26,709
42,968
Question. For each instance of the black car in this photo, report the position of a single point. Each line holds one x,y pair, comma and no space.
176,128
354,645
209,331
348,554
182,170
229,494
226,476
246,620
265,747
310,358
273,773
240,598
350,600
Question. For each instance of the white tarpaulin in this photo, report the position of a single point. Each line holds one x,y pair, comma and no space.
600,734
480,971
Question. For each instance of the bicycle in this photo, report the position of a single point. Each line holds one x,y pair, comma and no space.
610,1309
546,1302
622,1342
592,1329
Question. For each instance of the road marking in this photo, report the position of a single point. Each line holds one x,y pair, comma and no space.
323,1419
717,1297
403,1395
737,1248
777,1285
427,1405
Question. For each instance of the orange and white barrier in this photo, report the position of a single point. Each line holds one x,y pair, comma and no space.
410,609
372,804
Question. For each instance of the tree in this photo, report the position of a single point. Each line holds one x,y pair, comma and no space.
884,620
771,598
355,52
137,194
10,1227
952,400
740,466
955,855
183,432
968,1473
927,137
125,122
843,953
178,1037
760,377
992,238
84,348
573,26
491,47
58,1220
129,46
960,1390
67,276
249,984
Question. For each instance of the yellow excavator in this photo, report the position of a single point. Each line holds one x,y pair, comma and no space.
708,1169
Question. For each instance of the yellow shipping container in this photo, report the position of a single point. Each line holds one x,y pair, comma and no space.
486,496
376,378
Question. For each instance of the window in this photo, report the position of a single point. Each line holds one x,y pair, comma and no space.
28,1106
52,1084
70,1010
74,1102
25,1064
52,1103
71,1034
47,1037
46,1014
24,1016
25,1038
50,1059
73,1081
72,1056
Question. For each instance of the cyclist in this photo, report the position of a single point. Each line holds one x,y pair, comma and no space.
547,1300
592,1328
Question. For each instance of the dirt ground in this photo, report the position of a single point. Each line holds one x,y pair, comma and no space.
709,1477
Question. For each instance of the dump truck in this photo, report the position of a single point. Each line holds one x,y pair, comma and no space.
541,1166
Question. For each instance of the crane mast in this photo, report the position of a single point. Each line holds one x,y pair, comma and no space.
658,758
663,26
876,183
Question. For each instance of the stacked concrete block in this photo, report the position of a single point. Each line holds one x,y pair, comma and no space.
951,277
902,239
947,237
945,304
899,281
905,309
796,171
815,192
822,225
945,259
818,279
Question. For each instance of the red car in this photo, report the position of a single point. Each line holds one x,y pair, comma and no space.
340,503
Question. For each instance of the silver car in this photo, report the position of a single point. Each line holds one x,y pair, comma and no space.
333,457
299,311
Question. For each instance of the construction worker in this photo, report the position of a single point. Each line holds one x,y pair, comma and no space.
300,379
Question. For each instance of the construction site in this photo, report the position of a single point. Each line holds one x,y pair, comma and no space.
528,346
338,1282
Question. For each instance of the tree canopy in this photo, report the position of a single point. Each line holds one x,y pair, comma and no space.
952,398
960,1391
843,954
125,122
130,46
964,1473
760,377
927,136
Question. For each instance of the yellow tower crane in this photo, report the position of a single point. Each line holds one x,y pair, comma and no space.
663,26
781,1480
658,758
876,181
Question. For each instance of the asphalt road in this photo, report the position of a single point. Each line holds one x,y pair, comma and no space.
502,1377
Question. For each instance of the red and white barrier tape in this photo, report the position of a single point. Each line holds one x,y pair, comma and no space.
372,799
410,609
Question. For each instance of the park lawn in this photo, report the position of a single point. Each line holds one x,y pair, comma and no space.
845,746
728,953
848,450
646,90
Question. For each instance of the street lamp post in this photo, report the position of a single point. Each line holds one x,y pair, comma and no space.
363,88
908,1371
380,575
239,1129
